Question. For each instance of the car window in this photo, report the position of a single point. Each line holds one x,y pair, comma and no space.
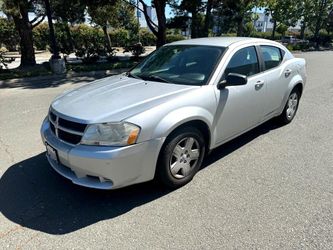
244,62
271,56
180,64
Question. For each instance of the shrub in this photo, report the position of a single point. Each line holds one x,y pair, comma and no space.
136,49
119,37
324,38
3,60
147,38
41,36
8,35
174,38
89,43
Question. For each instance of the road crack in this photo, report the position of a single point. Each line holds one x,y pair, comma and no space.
6,149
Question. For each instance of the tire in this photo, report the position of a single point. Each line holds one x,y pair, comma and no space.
180,157
290,109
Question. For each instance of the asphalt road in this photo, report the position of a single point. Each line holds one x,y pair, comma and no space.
272,188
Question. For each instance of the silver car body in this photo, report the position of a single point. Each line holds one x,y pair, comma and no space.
159,108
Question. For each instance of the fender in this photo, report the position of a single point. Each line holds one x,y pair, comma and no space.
299,77
180,116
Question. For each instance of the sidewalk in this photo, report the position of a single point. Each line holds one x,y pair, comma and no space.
54,80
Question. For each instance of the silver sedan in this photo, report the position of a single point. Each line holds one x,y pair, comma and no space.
161,118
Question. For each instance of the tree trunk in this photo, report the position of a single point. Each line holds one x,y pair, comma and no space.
274,29
205,32
161,38
240,27
303,27
194,26
323,5
160,13
107,38
53,41
69,36
158,30
24,28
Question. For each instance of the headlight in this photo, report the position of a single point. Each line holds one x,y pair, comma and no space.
111,134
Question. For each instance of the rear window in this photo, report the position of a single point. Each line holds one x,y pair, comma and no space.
271,55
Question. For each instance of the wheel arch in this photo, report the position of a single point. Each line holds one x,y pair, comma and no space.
198,124
197,117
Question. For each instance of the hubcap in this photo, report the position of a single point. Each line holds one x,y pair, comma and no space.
184,157
292,106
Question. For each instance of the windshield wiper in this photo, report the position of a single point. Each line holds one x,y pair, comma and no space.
129,74
154,78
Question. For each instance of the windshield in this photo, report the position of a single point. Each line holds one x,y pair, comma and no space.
179,64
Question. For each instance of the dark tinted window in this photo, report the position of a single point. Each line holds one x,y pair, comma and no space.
244,62
272,56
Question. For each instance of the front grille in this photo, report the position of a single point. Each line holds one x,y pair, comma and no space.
66,130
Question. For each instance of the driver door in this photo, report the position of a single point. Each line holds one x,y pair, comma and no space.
240,108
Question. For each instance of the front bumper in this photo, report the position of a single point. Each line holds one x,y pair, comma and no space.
103,167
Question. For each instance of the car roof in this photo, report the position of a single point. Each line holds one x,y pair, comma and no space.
221,41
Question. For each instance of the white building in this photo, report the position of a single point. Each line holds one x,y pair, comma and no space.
141,17
265,23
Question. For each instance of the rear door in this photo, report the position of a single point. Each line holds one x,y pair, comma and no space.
277,76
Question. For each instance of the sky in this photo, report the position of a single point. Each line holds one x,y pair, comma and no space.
168,11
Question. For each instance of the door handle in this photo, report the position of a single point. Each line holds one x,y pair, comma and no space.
259,85
287,72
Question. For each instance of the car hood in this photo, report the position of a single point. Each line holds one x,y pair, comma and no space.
114,99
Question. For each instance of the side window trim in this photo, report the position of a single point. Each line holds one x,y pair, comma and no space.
262,57
256,53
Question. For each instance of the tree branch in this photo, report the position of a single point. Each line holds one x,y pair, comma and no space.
150,23
35,19
37,23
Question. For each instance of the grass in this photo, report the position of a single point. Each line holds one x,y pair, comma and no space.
44,70
100,66
37,70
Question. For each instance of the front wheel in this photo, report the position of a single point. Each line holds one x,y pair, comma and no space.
290,108
181,157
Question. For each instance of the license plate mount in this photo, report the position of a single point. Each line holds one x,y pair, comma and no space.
52,153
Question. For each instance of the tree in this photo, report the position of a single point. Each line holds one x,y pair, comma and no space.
283,12
158,29
321,10
68,12
195,8
117,14
105,14
242,10
18,11
8,35
208,17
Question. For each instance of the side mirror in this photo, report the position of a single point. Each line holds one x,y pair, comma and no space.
232,79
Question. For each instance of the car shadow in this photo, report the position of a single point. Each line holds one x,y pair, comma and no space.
34,196
239,142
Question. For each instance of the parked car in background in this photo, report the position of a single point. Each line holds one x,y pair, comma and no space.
160,119
293,40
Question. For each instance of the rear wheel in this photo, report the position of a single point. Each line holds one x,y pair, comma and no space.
290,108
181,157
